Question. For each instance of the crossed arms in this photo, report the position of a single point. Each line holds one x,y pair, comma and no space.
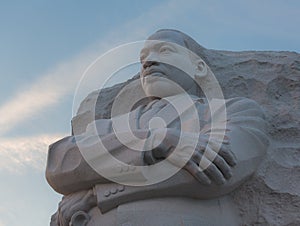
241,151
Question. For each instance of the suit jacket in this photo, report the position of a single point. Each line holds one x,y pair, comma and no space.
68,172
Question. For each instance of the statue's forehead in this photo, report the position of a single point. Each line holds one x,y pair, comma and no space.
155,45
164,38
168,36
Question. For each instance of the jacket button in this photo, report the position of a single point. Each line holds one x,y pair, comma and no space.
121,188
113,190
107,193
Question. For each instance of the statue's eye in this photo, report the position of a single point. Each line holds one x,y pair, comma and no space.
165,49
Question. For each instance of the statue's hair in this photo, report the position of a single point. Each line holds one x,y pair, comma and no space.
190,44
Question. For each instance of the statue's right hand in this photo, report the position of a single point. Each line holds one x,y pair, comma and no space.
73,203
213,162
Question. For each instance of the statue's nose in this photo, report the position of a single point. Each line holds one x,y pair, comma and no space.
149,63
152,58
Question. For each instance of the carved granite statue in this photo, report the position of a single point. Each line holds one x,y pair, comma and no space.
197,193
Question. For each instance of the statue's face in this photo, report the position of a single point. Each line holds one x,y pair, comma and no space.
164,59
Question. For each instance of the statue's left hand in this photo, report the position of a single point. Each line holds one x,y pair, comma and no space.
211,161
71,204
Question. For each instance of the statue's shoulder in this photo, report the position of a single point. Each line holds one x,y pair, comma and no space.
232,106
228,102
242,104
240,100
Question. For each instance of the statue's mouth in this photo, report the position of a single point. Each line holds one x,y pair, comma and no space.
153,71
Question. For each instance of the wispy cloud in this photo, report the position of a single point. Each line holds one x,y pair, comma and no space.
20,154
43,93
49,89
7,214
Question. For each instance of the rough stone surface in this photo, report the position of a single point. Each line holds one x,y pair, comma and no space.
272,196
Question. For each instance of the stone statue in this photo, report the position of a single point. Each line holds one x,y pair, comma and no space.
223,156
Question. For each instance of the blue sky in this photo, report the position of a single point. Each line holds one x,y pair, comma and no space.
46,45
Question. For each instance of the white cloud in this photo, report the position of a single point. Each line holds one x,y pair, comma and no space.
49,89
44,93
7,214
20,154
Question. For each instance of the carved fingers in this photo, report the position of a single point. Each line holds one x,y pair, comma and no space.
193,169
73,204
213,159
224,151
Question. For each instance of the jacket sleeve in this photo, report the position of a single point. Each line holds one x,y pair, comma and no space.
248,140
67,170
245,129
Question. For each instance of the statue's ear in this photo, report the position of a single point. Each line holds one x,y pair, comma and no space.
201,69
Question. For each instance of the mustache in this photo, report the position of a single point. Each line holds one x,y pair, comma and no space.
150,70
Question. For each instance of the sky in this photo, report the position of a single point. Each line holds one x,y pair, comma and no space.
45,47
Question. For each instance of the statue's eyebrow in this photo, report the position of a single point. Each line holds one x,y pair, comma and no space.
145,51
